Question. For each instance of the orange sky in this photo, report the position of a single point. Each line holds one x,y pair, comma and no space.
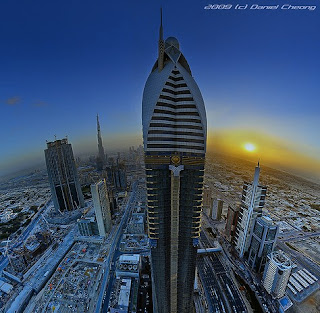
271,151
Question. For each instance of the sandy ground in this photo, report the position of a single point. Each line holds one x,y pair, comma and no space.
310,305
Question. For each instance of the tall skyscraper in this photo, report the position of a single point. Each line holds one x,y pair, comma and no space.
117,176
277,273
252,202
174,134
101,158
101,205
263,240
63,176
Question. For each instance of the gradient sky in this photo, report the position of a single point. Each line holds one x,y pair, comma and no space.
63,61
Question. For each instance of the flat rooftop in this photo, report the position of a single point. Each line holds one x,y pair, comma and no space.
129,258
124,295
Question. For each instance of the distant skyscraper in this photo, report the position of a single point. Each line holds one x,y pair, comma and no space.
231,222
117,176
101,159
63,176
112,200
277,273
217,209
174,133
252,202
263,240
101,204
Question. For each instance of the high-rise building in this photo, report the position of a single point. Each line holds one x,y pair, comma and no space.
207,201
252,202
63,177
277,273
217,209
174,135
263,240
231,222
112,200
117,176
101,158
101,205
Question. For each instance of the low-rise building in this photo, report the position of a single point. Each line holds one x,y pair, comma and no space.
136,224
128,265
88,226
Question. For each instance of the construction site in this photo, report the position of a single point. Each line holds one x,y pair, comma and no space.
73,286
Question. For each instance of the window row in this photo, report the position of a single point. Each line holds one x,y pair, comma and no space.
172,119
175,126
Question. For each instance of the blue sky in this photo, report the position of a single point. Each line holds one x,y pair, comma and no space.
62,62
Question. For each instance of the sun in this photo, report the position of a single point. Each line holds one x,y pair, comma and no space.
250,147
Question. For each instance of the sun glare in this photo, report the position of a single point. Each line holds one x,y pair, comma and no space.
249,147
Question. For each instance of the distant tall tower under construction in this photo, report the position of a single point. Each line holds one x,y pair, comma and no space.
174,133
101,158
63,176
252,202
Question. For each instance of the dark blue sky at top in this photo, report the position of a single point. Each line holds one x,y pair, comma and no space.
63,61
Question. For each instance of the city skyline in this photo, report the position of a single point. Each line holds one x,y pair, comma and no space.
196,209
68,68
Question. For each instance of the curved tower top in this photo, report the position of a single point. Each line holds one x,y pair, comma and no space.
173,111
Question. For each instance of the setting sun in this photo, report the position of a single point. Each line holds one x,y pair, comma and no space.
249,147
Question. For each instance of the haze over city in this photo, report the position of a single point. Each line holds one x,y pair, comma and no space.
64,63
159,157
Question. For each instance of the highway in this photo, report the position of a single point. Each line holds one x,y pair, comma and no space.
210,285
24,235
4,263
221,292
198,303
107,282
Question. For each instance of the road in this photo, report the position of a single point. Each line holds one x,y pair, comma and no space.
301,259
297,236
25,233
221,292
108,279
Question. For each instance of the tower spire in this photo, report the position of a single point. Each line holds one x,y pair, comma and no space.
161,28
160,45
256,175
101,155
98,124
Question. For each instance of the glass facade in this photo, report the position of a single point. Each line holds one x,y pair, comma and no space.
63,177
159,185
262,242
